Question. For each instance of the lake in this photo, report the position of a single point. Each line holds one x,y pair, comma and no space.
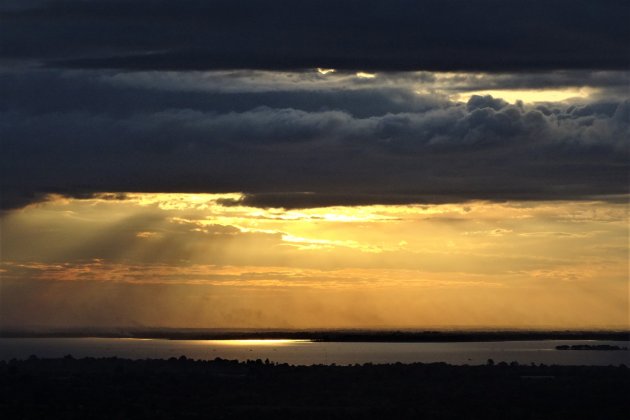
301,352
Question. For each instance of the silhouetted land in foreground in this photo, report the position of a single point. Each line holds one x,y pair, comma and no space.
388,336
183,388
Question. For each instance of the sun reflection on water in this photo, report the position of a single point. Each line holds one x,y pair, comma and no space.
253,342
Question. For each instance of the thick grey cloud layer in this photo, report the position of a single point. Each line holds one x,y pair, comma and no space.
482,35
79,134
72,122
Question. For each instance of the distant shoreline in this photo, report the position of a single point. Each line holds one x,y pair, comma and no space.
388,336
600,347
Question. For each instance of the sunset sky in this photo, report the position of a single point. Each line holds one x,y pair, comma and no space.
314,164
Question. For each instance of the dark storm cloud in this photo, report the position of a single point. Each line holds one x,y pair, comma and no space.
41,92
301,139
122,94
298,154
484,35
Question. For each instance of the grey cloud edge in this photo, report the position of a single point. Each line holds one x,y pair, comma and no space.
310,200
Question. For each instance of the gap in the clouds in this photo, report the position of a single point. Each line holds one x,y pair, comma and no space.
201,260
532,96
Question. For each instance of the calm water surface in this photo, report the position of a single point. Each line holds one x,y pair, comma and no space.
306,352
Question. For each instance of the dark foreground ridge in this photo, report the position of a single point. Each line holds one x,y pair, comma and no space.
384,336
184,388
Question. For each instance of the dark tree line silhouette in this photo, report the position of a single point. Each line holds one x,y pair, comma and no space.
109,388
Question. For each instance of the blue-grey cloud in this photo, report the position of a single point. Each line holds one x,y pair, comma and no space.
121,95
80,135
484,35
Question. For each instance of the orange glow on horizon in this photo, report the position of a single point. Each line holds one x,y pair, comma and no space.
188,260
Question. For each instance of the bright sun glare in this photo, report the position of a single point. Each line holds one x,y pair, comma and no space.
254,342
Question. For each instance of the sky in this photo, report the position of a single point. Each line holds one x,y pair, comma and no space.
314,164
